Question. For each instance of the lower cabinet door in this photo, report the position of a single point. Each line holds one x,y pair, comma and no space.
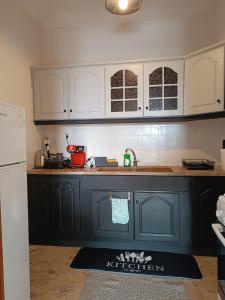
157,216
102,224
40,207
67,212
205,196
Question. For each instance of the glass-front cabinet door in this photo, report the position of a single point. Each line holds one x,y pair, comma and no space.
163,88
124,91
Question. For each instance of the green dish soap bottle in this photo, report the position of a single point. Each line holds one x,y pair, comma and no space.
126,160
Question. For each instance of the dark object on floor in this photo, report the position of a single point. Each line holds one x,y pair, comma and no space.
137,262
198,164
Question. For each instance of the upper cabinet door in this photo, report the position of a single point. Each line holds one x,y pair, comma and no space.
86,93
124,91
204,82
51,94
163,88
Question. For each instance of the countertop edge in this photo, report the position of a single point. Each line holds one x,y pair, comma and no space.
177,171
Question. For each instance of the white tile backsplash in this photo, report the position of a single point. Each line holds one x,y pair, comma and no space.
156,144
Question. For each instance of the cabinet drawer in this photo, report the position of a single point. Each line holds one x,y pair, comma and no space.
136,183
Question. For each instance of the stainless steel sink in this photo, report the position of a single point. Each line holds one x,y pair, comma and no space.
154,169
136,169
116,169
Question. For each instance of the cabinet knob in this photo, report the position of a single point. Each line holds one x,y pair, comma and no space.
137,202
64,110
146,107
218,101
139,108
71,110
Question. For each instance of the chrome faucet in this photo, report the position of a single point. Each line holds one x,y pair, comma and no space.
134,155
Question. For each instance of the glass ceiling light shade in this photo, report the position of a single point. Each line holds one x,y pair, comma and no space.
123,7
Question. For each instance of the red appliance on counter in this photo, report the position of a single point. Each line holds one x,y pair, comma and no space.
78,159
77,153
78,156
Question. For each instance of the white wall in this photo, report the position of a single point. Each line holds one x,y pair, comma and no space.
19,49
220,20
163,29
160,29
157,144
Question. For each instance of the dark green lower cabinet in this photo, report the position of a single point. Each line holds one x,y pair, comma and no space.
157,216
158,220
101,216
166,213
205,193
67,214
40,207
54,211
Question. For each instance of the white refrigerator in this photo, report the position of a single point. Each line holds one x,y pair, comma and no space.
13,202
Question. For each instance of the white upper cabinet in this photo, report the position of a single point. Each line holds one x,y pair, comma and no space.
163,88
124,91
86,92
204,82
50,94
131,90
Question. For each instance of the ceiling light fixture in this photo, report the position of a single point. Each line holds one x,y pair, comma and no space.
123,7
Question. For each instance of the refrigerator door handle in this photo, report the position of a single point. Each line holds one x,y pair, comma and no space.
217,228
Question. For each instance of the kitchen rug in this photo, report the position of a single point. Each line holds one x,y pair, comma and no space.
111,286
137,262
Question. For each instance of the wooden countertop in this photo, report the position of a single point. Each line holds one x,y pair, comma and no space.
147,171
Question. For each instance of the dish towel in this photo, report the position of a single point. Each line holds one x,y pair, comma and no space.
220,213
120,211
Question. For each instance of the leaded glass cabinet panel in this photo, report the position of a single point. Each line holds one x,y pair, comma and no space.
163,88
124,91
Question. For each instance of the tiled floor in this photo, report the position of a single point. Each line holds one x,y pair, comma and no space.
52,279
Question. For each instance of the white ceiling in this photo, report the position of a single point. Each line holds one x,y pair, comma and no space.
59,13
